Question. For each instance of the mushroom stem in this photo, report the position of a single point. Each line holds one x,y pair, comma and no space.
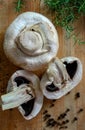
17,97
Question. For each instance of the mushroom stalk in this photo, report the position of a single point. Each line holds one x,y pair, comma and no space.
17,97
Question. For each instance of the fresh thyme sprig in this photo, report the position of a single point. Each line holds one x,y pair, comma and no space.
67,11
18,5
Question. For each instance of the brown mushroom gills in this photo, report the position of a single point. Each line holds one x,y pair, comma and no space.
52,88
71,69
21,80
28,106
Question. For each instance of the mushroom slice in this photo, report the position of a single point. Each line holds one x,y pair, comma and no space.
61,77
31,41
23,91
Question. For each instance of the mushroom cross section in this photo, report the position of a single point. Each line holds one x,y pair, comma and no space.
23,91
61,77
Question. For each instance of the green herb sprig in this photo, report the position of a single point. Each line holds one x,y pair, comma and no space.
67,11
18,5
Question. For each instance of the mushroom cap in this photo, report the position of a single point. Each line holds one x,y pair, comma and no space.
13,83
61,77
31,41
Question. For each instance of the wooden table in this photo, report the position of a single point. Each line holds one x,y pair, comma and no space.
12,119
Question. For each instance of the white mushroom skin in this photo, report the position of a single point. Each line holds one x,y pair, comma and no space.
20,92
62,76
31,41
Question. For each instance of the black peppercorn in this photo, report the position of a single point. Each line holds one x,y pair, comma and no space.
46,117
45,112
65,122
52,105
51,122
77,95
74,119
80,110
62,116
67,110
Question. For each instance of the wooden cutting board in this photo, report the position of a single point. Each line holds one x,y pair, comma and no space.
12,119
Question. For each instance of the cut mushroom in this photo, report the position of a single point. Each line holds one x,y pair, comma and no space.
31,41
61,77
23,91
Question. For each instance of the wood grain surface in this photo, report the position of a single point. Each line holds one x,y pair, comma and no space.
12,119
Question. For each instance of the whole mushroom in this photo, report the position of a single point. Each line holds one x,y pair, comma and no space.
31,41
61,77
23,91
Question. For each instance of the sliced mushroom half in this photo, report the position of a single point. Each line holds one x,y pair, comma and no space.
23,91
31,41
61,77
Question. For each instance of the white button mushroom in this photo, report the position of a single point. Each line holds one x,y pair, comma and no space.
31,41
61,77
23,91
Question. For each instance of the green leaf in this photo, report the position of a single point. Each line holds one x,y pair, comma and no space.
18,5
67,12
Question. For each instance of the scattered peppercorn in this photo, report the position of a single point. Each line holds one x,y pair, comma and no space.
77,95
51,123
67,110
45,112
65,122
52,105
46,117
60,122
61,116
80,110
50,120
74,119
